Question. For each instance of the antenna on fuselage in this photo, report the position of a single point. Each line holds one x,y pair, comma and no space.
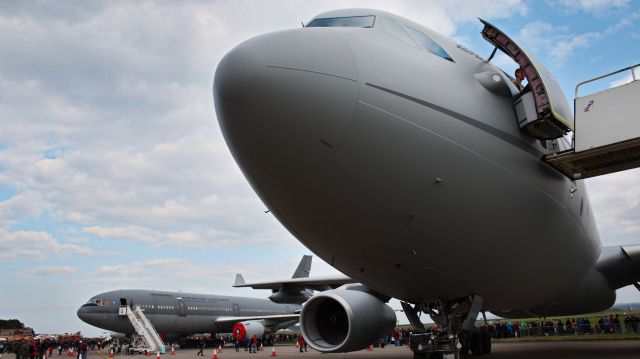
492,54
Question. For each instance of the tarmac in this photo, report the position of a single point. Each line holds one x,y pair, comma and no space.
613,349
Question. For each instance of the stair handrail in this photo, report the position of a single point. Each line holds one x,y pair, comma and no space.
152,333
633,76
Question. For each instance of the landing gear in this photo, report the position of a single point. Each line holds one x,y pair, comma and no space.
458,337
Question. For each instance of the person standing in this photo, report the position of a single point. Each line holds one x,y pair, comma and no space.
519,78
201,352
254,344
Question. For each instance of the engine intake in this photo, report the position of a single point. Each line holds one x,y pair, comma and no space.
246,330
345,320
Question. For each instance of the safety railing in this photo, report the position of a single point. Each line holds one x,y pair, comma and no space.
630,68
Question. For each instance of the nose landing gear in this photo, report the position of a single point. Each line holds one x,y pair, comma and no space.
458,336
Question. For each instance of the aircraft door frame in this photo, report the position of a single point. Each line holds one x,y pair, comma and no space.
236,310
123,307
182,309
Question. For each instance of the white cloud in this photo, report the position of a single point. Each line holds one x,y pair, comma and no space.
556,41
208,238
48,271
591,5
560,44
621,81
615,199
20,206
35,245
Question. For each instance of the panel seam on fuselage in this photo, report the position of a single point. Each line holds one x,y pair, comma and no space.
466,119
311,71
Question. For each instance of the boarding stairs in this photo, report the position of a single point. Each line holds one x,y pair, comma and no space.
606,131
148,338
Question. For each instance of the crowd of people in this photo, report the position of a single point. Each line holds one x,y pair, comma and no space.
608,324
46,348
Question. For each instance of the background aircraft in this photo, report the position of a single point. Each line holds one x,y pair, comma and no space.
397,156
177,314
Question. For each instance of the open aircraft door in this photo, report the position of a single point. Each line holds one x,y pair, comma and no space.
122,310
542,108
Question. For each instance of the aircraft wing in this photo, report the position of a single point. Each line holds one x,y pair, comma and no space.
620,265
315,283
274,318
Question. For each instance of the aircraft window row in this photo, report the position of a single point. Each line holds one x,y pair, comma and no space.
428,44
395,29
262,310
350,21
210,308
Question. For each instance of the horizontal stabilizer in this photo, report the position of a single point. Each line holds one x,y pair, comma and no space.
239,280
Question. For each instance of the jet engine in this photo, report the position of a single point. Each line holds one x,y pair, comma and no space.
344,320
246,330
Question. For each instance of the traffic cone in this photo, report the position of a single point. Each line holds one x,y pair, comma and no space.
370,348
220,349
111,353
173,351
261,347
215,354
70,352
273,352
158,355
147,353
297,346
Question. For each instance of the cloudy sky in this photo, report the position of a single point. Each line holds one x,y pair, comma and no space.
113,170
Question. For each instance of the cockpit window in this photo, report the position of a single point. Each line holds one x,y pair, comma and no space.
395,29
351,21
99,302
429,44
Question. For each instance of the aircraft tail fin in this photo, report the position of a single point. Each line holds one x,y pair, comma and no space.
304,268
239,280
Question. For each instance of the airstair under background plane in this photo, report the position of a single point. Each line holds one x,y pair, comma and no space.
148,338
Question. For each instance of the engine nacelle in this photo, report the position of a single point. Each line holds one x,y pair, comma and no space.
344,320
246,330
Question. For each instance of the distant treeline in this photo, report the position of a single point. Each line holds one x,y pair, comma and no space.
11,324
627,306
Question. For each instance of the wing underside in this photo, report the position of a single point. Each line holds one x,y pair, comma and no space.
620,265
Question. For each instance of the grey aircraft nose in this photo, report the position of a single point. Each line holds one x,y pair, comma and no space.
285,100
82,313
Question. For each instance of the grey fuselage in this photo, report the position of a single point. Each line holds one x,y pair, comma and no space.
176,313
406,171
